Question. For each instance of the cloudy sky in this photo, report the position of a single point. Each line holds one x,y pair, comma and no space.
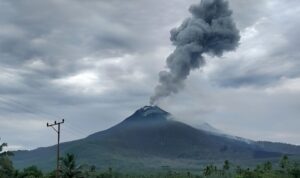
95,62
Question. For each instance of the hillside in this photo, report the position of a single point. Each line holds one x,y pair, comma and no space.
280,147
150,139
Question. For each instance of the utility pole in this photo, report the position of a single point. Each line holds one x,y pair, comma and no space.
58,139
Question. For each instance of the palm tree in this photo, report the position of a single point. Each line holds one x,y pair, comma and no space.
4,153
2,146
69,169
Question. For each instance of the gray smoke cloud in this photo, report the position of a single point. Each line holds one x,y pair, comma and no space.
210,30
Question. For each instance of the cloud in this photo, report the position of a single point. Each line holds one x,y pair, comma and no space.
243,111
267,52
95,62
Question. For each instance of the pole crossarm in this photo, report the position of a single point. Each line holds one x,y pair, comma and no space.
55,123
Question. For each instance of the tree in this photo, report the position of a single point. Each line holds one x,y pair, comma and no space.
4,153
69,169
89,171
226,165
209,170
32,172
51,174
267,166
239,170
284,162
295,170
6,166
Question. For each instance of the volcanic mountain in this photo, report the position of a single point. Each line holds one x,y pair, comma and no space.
150,139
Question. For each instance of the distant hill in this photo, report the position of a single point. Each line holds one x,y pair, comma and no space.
280,147
150,139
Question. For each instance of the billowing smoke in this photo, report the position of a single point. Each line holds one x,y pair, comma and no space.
210,30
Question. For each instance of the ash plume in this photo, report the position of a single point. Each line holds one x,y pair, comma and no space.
209,30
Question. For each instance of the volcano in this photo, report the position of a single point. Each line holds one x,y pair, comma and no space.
150,139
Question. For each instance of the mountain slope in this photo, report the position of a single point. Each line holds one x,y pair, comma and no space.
280,147
149,139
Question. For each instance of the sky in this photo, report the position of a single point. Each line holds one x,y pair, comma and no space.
95,62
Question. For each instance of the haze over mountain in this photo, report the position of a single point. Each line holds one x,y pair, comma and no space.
149,139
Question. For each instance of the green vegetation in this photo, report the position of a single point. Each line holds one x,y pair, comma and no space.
285,168
6,166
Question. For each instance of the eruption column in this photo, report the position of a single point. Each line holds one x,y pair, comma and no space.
210,30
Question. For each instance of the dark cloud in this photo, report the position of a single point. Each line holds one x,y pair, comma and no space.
94,62
264,73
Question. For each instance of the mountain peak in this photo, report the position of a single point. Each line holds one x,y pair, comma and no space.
149,110
149,113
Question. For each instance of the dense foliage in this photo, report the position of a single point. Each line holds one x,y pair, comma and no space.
70,169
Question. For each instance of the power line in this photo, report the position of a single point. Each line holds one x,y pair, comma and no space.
73,132
22,107
25,108
72,126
